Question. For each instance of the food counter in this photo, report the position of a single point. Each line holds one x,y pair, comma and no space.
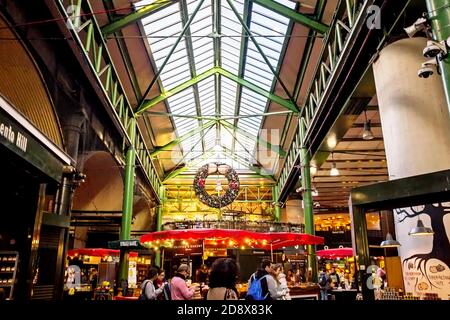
305,291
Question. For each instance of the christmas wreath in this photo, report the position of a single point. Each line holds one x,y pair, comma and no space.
216,201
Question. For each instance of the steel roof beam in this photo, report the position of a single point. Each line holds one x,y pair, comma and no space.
249,85
192,69
293,15
259,140
177,141
137,15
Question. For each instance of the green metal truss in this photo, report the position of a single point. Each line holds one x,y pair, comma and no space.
178,140
294,15
259,140
136,16
217,70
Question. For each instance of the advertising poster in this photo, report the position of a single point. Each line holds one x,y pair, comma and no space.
425,258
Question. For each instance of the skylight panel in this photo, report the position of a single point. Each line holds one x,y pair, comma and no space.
207,96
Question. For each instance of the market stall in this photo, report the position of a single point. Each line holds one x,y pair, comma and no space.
216,242
91,272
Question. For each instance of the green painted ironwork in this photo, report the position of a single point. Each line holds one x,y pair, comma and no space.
178,140
128,198
89,38
135,16
305,159
261,52
249,85
277,206
247,18
294,15
337,41
439,15
181,87
258,139
192,69
172,50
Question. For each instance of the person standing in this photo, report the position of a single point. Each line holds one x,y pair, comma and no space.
222,280
178,287
324,283
282,283
161,283
268,284
149,292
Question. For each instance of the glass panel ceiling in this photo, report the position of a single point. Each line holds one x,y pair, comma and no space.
216,96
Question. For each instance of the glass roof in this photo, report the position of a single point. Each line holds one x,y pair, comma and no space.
215,37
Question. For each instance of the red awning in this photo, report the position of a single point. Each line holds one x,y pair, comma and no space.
335,253
97,252
238,238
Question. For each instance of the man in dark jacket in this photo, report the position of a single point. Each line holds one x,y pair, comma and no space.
268,283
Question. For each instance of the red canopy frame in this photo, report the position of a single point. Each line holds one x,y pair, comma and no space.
335,253
234,238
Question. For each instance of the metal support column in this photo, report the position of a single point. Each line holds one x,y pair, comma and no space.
127,206
277,206
305,159
159,212
439,15
361,249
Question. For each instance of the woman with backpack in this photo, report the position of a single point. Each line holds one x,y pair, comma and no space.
222,280
262,285
149,292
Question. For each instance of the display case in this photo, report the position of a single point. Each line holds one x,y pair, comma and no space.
8,270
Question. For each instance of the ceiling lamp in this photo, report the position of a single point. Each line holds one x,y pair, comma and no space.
367,133
314,192
390,242
421,230
334,172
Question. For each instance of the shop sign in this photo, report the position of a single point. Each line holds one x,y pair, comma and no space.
21,137
187,247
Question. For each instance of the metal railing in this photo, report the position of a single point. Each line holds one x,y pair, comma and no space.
87,33
337,41
257,226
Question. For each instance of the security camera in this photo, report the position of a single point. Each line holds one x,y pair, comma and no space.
434,49
426,69
299,190
420,24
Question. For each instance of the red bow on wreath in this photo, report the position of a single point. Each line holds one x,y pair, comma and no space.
201,182
234,185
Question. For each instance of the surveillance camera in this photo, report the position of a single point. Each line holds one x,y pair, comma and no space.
425,72
299,190
426,69
433,49
419,25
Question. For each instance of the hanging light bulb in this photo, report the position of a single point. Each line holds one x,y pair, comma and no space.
334,172
367,133
314,192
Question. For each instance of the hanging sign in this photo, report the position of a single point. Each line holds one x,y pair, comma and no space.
21,137
184,248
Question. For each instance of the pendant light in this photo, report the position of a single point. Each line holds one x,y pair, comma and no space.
367,133
421,230
390,242
334,172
